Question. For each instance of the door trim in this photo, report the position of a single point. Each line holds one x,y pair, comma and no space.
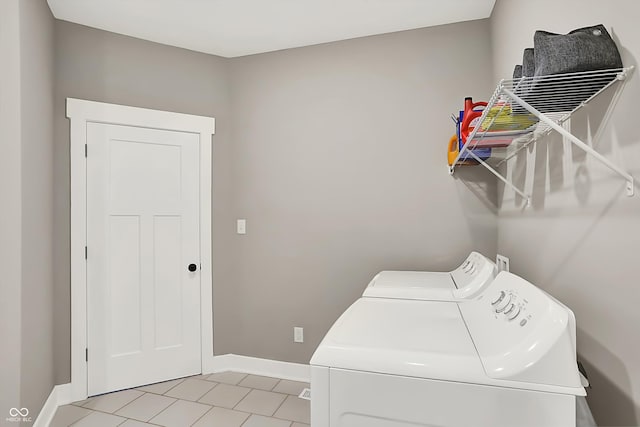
80,112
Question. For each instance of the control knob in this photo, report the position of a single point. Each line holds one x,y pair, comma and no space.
500,298
502,305
514,313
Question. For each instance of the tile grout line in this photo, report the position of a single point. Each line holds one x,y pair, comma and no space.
114,412
108,413
153,416
156,394
280,405
84,416
260,415
215,384
286,395
160,394
253,413
272,416
172,403
197,400
284,419
189,401
181,381
236,384
266,391
117,409
202,416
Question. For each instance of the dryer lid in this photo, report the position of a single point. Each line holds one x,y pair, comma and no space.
465,282
422,339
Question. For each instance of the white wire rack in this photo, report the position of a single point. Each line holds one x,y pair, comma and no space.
522,111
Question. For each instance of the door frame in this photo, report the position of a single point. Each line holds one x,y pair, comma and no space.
80,112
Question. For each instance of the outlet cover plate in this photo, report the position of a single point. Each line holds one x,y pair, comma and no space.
502,262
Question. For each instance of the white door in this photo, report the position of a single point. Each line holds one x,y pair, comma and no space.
143,299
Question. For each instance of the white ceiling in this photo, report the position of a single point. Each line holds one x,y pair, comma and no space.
233,28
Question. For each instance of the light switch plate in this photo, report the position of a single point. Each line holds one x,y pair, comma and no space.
298,334
241,226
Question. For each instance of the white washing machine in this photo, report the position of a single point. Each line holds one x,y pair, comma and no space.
506,358
465,282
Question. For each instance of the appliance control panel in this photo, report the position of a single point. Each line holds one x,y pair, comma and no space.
509,306
522,333
473,275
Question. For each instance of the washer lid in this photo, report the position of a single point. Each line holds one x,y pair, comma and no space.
402,337
422,285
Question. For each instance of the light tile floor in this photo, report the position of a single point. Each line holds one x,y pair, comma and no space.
226,399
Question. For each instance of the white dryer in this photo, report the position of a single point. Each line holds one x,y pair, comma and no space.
465,282
506,358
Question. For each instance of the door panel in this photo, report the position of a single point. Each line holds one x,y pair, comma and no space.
124,284
142,233
167,271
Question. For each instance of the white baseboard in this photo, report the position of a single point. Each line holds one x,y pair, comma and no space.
60,395
258,366
64,394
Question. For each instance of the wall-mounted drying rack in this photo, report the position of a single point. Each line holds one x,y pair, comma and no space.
523,111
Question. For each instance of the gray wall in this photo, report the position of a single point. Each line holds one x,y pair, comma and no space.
339,167
36,35
581,238
102,66
11,212
27,288
334,153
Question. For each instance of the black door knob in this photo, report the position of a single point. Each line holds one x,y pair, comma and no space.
192,267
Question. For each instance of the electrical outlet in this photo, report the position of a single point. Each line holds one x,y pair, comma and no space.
298,334
502,262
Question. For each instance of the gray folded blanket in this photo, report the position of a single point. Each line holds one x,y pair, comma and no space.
582,50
